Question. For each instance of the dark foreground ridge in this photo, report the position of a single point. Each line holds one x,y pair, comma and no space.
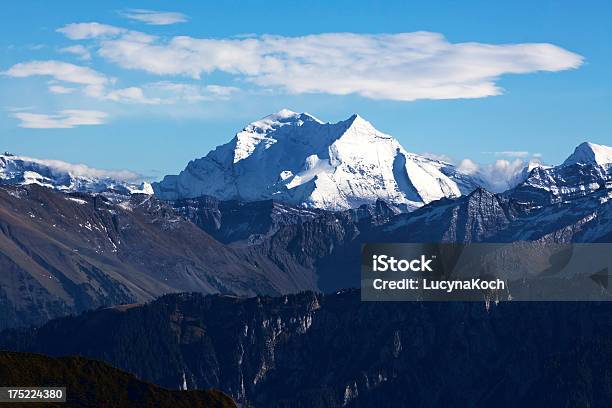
313,350
94,384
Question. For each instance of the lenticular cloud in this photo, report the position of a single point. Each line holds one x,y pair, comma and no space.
405,66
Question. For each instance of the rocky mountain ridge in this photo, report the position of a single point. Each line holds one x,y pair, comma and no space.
329,351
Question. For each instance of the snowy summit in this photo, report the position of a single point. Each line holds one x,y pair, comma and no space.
67,177
296,158
590,153
587,170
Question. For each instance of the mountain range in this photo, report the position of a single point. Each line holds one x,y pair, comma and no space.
67,177
295,158
236,274
70,252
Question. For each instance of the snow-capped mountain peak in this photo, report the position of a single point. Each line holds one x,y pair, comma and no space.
587,170
590,153
68,177
358,126
278,119
255,133
297,158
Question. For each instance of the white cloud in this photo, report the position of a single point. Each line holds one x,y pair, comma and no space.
154,17
63,119
221,91
500,175
168,93
77,50
58,70
97,85
18,108
60,89
81,170
83,31
92,82
132,94
440,157
512,154
173,92
468,167
406,66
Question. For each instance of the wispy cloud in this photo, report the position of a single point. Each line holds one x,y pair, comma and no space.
60,89
174,92
168,93
84,31
96,85
512,153
59,70
153,17
132,94
92,81
78,50
81,170
18,108
439,157
405,67
64,119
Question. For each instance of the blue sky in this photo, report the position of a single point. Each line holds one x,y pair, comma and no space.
150,91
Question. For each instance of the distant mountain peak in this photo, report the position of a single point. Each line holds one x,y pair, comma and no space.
481,191
68,177
590,153
363,126
533,164
280,118
285,113
587,170
355,117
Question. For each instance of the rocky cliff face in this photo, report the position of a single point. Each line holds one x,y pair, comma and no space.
328,243
311,350
65,253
